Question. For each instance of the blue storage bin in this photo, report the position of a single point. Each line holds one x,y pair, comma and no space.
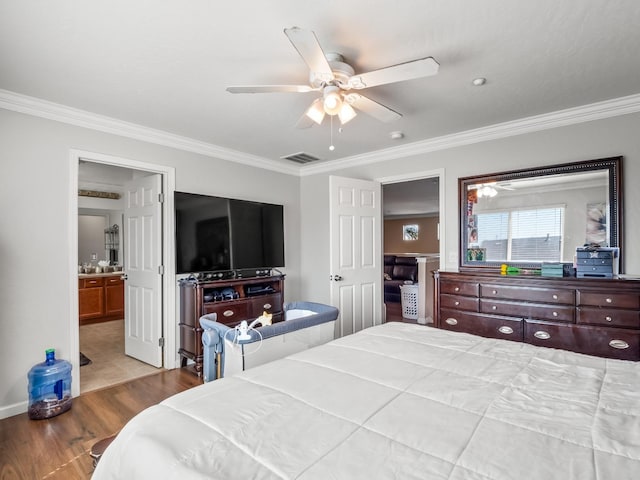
49,387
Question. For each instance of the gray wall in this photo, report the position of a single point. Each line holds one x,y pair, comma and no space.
34,191
91,237
596,139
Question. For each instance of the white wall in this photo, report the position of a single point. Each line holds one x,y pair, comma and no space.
34,189
35,230
91,237
596,139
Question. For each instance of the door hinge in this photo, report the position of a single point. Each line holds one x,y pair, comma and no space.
161,342
161,269
161,197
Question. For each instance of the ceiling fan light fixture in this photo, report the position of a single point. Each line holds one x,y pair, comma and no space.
487,191
346,113
332,100
316,111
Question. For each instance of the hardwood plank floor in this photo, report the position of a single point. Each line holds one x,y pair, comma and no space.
394,313
58,448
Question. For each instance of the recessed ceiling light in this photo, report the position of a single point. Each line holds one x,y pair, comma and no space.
478,82
396,135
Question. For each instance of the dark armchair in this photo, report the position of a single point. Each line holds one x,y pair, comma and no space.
397,271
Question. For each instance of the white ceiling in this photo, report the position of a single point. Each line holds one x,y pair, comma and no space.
166,64
411,198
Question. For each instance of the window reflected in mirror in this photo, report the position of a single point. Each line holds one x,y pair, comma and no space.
541,215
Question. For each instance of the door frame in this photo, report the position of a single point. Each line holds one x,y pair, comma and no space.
407,177
168,254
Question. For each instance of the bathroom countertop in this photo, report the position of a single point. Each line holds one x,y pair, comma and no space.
94,275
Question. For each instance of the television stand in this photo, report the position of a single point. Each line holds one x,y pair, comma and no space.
233,300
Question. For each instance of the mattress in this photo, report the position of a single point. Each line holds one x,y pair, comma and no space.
396,401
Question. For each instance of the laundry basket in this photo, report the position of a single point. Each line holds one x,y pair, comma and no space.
409,300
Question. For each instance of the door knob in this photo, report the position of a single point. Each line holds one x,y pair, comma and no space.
124,277
337,278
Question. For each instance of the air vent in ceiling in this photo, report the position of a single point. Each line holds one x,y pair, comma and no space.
301,157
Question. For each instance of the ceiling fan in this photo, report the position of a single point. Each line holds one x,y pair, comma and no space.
338,83
489,189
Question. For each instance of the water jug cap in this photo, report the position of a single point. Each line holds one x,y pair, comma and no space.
50,353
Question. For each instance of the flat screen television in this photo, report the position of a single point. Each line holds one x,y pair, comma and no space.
218,234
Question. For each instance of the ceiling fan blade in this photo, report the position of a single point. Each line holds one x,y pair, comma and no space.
307,45
305,122
371,107
272,89
423,67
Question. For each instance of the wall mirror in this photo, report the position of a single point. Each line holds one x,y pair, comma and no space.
527,217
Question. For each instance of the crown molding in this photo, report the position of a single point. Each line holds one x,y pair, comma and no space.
54,111
561,118
81,118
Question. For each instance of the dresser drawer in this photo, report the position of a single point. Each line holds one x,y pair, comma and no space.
91,282
594,270
483,325
608,299
459,288
594,261
459,302
543,295
599,341
556,313
269,303
229,313
611,317
116,280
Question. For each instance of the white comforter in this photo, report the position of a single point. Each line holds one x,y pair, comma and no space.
397,401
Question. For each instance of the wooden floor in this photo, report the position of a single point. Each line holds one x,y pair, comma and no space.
394,313
58,448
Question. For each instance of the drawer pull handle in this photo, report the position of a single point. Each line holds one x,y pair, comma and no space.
608,300
619,344
494,307
266,306
228,313
451,321
456,303
457,289
555,314
495,292
506,330
93,281
555,297
608,319
542,335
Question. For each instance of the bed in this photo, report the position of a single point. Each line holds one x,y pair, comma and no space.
396,401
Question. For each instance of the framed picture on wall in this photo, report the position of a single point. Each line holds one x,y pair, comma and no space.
410,232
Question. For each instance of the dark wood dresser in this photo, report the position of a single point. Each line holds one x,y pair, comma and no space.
233,300
594,316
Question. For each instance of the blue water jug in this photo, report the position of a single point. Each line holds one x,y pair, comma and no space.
49,387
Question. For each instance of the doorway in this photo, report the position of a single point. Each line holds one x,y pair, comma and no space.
412,228
102,342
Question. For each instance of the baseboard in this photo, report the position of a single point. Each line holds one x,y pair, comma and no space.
15,409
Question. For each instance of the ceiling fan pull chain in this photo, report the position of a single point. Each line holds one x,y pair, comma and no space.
331,147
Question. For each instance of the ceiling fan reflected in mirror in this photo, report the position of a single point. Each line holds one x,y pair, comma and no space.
338,84
490,189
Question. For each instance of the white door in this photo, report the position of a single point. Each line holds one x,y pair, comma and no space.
143,263
356,253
